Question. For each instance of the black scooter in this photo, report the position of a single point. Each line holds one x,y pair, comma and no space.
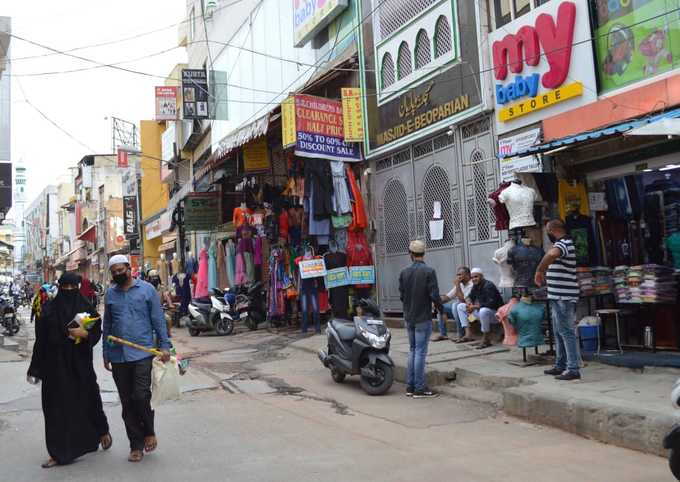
360,348
671,441
9,317
248,304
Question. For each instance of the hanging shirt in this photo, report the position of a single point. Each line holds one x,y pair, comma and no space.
581,232
499,209
241,216
572,198
519,200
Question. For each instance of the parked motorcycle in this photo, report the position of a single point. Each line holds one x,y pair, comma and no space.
360,348
672,440
207,314
9,317
247,303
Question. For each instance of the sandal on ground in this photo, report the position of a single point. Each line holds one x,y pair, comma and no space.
150,443
136,456
484,344
106,441
463,339
49,464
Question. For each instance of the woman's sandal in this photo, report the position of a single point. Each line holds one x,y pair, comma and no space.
136,456
106,441
49,464
483,345
463,340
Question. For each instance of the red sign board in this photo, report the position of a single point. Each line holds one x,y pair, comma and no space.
122,158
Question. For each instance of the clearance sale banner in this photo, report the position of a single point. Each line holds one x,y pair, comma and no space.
319,130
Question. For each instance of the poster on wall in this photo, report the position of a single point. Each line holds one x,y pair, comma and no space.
202,211
256,156
194,94
352,114
319,130
636,40
166,103
288,122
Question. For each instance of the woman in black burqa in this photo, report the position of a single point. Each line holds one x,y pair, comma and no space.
75,423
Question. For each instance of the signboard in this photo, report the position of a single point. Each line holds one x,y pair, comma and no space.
288,122
130,228
312,268
166,103
362,275
310,16
129,183
194,94
336,277
5,185
352,114
123,158
157,227
115,236
202,211
256,156
508,146
319,127
168,139
534,74
634,40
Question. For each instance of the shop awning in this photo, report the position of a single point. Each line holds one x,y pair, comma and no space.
90,234
170,245
661,127
241,136
621,128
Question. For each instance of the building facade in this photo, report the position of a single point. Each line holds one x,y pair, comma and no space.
5,117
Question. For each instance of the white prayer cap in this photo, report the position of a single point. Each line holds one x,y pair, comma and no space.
476,271
118,259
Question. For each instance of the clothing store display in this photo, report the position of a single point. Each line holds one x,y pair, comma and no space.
242,216
594,281
529,181
618,200
358,252
175,264
222,277
499,209
318,226
201,290
649,283
653,239
182,284
212,268
318,180
673,246
580,229
527,318
519,200
339,296
283,224
500,257
341,201
190,265
547,185
502,314
359,219
163,272
524,260
572,198
230,261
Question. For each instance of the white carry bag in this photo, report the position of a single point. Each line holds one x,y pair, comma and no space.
165,384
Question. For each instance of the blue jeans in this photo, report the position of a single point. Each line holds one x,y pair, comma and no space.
451,312
564,327
418,339
309,298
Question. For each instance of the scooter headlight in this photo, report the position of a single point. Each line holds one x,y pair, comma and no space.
376,341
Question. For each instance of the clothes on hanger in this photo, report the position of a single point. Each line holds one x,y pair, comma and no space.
230,261
242,216
572,198
340,200
201,289
359,218
579,228
212,267
319,184
222,277
499,209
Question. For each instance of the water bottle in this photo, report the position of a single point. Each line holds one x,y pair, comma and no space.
648,337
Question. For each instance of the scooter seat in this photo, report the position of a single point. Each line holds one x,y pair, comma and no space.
345,330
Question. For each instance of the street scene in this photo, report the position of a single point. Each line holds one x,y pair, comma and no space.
340,240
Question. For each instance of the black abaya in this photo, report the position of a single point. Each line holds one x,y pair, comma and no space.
71,402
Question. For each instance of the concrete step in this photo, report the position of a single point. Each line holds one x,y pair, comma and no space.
9,344
477,395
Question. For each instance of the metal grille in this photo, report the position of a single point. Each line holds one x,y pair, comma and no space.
387,71
436,187
401,157
442,37
443,141
423,54
383,164
422,149
476,128
404,63
480,196
396,218
279,167
455,211
394,14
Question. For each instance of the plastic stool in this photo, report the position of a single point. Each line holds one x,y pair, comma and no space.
616,313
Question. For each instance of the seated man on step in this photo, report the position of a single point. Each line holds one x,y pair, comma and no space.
482,304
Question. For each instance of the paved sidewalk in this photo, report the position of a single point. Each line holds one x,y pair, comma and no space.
620,406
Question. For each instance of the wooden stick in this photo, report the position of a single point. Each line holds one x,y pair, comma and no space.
121,341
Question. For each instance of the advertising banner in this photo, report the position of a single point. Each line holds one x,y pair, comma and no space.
336,277
123,158
130,228
202,211
508,146
319,127
256,156
288,122
352,114
636,40
362,275
312,268
115,235
310,16
166,103
194,94
543,64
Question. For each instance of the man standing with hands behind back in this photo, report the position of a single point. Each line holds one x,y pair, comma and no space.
133,312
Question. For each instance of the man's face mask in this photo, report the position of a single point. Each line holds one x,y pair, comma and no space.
119,277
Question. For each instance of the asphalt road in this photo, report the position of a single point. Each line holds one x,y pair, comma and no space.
257,410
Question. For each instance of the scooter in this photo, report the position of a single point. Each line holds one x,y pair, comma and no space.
9,317
360,348
672,440
206,314
247,303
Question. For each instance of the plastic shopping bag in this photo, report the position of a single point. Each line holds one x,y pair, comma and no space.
165,381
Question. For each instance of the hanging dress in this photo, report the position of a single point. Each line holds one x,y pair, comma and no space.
222,279
230,261
212,267
201,290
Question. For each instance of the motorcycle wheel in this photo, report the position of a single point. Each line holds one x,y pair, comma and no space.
251,324
338,377
382,383
674,462
194,331
224,326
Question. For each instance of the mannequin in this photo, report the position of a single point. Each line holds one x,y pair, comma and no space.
162,268
519,200
526,317
309,295
524,259
339,296
242,215
500,257
175,263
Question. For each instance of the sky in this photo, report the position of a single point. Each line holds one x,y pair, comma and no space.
82,103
